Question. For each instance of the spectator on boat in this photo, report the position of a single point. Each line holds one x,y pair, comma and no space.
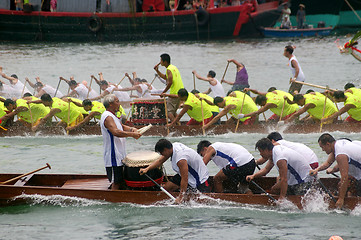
301,16
275,102
286,12
214,85
352,105
42,88
286,23
233,160
114,134
17,86
314,104
348,158
53,5
295,68
20,107
293,169
192,173
174,83
196,110
19,5
310,156
234,106
80,90
241,81
188,6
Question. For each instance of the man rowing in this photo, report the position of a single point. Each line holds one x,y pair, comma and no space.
237,107
292,167
348,158
241,81
295,68
42,88
274,101
350,87
79,90
197,111
94,108
233,160
67,112
352,105
214,85
315,104
207,100
114,134
16,85
174,83
192,173
28,114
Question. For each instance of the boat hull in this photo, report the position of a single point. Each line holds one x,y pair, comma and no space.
288,33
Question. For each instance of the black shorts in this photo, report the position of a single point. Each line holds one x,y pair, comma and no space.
239,174
204,187
115,174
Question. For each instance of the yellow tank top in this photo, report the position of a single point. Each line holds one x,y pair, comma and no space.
277,99
80,109
249,105
213,108
356,91
355,100
97,107
177,80
2,109
64,109
196,111
318,100
37,110
121,112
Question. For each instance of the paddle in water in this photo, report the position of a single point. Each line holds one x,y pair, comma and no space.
161,188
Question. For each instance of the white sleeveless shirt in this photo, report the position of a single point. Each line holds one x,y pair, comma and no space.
122,96
114,147
51,91
18,89
230,154
301,76
145,92
217,89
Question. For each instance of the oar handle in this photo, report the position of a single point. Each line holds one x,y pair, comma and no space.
166,114
225,71
311,85
26,174
326,190
161,188
264,191
120,81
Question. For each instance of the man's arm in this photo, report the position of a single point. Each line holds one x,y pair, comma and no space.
156,68
110,125
300,111
208,91
263,172
13,113
169,81
209,154
183,169
325,165
52,112
85,120
261,110
30,83
255,91
180,115
238,65
154,165
282,183
338,113
11,79
297,68
221,114
342,161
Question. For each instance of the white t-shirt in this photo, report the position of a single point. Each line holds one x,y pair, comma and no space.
82,92
197,170
353,151
230,154
18,89
8,92
122,96
297,165
302,149
145,92
301,76
217,89
114,147
51,91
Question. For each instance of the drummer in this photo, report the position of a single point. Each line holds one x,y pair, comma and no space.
234,161
191,171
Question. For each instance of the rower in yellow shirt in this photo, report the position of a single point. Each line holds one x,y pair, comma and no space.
313,103
20,107
65,111
275,102
350,87
192,105
352,105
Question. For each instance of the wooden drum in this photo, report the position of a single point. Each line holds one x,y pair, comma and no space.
137,160
148,110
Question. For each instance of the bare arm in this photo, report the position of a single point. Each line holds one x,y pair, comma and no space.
282,183
209,154
297,68
342,161
261,110
300,111
238,65
263,172
180,115
169,81
156,68
325,165
338,113
154,165
183,169
30,83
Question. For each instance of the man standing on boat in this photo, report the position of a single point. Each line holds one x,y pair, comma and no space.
174,83
234,161
295,68
192,173
348,157
241,81
292,167
114,134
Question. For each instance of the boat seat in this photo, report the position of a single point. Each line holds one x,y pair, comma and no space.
89,183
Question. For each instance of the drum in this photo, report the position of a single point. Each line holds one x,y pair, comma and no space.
148,110
137,160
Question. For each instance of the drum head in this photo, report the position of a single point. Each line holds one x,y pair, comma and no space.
140,158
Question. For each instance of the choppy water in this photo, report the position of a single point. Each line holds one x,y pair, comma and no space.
64,218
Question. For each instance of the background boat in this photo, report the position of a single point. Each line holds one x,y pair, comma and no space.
294,32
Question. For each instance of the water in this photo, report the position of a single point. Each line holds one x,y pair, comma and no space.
64,217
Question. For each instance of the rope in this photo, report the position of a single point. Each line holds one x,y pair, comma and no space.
353,10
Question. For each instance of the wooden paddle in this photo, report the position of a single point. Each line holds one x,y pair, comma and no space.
283,108
326,190
57,88
312,85
161,188
31,115
194,81
204,131
68,123
18,177
244,96
166,114
121,81
323,112
224,74
22,92
264,191
91,81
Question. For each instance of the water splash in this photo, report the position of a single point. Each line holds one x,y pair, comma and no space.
286,205
356,211
315,201
59,200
